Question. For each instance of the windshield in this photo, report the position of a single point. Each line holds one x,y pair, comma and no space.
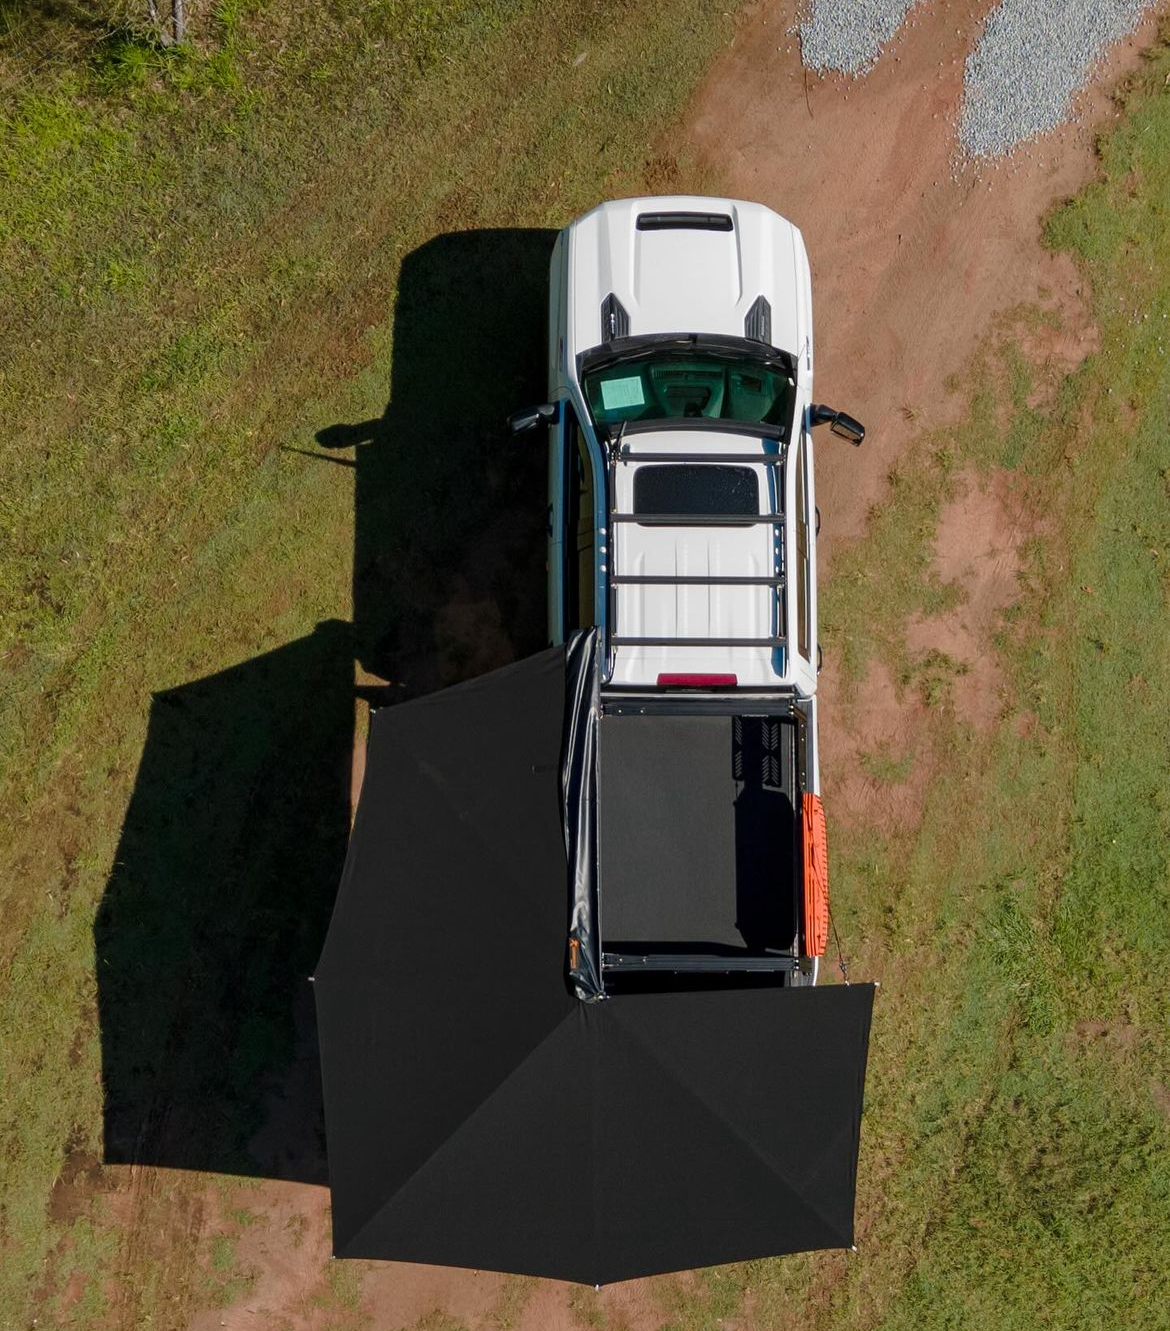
691,384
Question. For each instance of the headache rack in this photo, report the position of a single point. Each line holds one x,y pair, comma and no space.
617,452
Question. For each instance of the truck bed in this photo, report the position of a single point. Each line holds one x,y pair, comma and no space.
697,834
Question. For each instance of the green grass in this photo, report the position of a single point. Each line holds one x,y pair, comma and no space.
437,1320
1015,1169
876,584
201,252
226,1283
81,1302
193,286
883,766
345,1287
585,1307
512,1300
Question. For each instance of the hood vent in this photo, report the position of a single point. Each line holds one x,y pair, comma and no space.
757,323
615,322
684,222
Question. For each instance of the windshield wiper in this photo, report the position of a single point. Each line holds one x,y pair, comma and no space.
615,440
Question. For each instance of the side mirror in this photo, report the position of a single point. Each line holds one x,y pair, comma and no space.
845,427
520,422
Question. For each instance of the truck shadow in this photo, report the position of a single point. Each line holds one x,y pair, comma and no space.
448,570
237,828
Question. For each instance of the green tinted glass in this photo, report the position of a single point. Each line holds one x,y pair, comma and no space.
670,386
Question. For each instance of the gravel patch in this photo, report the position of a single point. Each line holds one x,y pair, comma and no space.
1032,59
847,35
1021,79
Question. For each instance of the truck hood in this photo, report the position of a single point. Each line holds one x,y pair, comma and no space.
689,278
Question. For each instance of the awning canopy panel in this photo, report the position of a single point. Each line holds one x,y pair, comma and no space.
477,1113
444,963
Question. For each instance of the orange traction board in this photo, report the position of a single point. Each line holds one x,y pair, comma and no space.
815,842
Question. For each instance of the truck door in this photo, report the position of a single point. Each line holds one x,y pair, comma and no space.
572,528
580,539
805,571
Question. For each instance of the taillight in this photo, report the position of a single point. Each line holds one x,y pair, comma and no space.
697,681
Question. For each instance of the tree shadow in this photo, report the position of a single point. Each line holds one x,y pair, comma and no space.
89,15
56,29
237,828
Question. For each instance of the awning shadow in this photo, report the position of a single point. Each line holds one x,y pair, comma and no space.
236,832
215,911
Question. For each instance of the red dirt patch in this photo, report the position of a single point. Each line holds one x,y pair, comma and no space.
285,1251
1055,348
977,550
471,637
875,757
1120,1036
357,772
81,1177
402,1294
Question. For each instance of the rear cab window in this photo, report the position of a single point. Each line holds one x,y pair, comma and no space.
702,488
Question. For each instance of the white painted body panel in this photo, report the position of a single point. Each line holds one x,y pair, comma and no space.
695,611
686,281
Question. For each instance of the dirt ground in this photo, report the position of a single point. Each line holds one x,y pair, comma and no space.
915,257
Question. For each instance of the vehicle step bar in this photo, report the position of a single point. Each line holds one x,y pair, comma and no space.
696,519
622,641
681,580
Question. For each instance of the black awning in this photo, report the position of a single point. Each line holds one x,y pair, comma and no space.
477,1113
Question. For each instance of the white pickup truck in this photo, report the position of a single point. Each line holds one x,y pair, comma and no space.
682,527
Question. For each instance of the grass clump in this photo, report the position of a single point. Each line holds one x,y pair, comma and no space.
878,582
226,1282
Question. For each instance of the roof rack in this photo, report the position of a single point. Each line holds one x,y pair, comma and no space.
697,580
696,519
617,452
619,640
765,459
